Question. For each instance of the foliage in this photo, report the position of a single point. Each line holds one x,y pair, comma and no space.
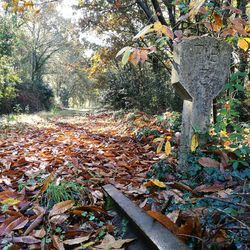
65,190
140,88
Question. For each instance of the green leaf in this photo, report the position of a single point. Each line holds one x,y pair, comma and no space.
126,56
123,50
144,31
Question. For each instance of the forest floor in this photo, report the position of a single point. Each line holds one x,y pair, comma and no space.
53,167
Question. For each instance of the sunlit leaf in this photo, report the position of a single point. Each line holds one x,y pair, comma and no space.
123,50
217,24
243,44
144,31
164,220
126,55
10,201
194,142
76,240
167,148
158,183
167,31
195,6
159,148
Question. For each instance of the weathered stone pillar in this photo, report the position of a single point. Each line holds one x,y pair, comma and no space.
200,70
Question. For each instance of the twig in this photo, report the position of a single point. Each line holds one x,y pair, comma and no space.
225,201
242,223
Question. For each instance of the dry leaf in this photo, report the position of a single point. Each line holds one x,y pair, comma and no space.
164,220
109,242
76,240
208,162
194,142
61,207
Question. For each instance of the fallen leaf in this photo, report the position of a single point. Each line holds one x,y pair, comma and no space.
158,183
208,162
61,207
76,240
109,242
57,242
194,142
164,220
11,224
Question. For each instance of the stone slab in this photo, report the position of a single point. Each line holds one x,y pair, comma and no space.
158,236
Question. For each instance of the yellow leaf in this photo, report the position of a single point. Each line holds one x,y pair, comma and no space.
10,201
194,7
158,26
243,44
159,148
158,183
167,148
194,142
167,31
223,133
159,139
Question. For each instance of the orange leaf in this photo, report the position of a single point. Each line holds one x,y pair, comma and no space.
217,24
164,220
135,57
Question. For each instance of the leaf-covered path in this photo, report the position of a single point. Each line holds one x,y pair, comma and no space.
92,149
88,151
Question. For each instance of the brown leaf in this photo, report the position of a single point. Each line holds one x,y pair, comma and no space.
40,211
217,24
46,183
11,224
209,189
59,219
26,240
208,162
109,242
164,220
57,242
39,233
76,240
135,57
61,207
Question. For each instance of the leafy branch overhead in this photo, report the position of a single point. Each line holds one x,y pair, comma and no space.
222,22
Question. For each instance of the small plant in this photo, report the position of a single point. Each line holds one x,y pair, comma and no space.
17,109
65,190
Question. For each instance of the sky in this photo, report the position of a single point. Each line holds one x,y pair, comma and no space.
67,12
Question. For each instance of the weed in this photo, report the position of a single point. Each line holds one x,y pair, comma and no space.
65,190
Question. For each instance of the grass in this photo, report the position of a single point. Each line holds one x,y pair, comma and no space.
65,190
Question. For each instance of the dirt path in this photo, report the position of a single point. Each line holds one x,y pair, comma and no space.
81,151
